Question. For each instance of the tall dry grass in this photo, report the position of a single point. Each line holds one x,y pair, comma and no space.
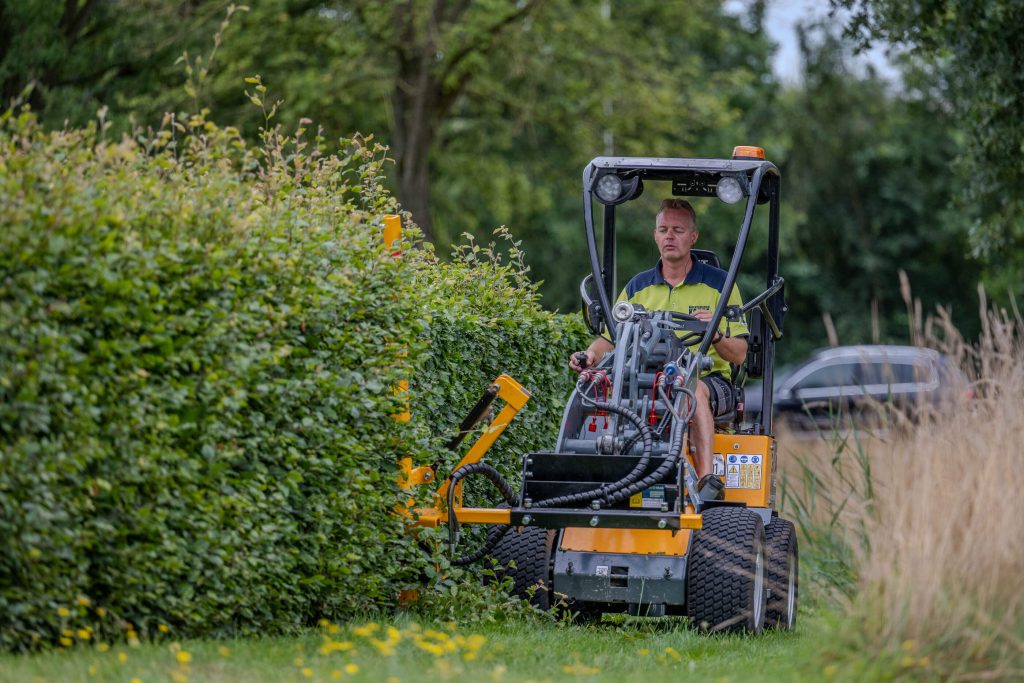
922,529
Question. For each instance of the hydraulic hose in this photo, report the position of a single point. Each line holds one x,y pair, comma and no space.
675,449
495,533
607,490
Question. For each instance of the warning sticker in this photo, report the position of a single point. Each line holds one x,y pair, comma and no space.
743,471
653,497
718,465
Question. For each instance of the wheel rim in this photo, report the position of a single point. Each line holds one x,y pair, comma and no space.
791,592
758,588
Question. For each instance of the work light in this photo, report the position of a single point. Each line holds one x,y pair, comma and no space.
611,189
729,190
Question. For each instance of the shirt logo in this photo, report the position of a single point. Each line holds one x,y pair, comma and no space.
699,308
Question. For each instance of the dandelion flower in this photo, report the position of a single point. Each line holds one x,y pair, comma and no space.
830,670
223,651
352,668
65,641
122,657
366,630
83,601
102,647
136,679
101,612
307,672
84,634
63,612
184,657
93,670
298,661
336,674
644,652
179,677
163,628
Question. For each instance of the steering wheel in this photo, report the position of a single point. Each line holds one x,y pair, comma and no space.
694,327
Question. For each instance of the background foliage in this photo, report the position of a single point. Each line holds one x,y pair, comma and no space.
492,108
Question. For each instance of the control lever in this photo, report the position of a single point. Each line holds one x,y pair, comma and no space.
581,359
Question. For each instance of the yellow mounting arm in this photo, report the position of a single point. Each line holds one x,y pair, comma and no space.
515,397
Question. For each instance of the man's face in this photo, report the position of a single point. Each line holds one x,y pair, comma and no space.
674,234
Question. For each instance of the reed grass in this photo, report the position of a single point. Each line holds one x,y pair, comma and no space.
919,533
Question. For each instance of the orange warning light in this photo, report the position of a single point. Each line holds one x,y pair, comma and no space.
745,152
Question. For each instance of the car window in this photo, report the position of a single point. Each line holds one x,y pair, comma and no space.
896,373
829,376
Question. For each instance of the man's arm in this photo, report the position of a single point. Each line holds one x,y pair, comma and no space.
732,349
595,352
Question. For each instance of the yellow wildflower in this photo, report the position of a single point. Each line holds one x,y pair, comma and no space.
307,672
163,628
101,612
578,669
67,633
102,647
469,656
366,630
323,623
179,677
830,670
908,661
122,657
644,652
333,629
184,657
223,651
136,679
394,635
93,670
63,612
336,674
671,652
352,668
84,634
131,634
475,641
298,661
83,601
908,645
383,647
65,641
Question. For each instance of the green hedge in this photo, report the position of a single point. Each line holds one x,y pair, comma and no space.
198,340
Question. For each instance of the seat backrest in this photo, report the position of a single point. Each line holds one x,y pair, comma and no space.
706,256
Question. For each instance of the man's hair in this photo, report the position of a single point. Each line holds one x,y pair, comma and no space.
680,205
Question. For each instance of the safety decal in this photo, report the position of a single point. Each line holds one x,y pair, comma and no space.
743,471
718,465
653,497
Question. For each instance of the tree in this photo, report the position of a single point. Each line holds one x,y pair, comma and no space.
867,178
971,45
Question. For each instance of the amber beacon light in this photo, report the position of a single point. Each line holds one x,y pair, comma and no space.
746,152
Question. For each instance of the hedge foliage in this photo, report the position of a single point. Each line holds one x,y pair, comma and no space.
198,344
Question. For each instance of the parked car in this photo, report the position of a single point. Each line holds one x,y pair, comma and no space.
854,382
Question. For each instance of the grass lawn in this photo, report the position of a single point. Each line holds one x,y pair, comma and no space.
410,650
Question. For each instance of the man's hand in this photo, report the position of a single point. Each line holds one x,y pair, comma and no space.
581,360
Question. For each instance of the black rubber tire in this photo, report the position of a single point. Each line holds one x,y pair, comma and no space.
530,548
722,590
783,556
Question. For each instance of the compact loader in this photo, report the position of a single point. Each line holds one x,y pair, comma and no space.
610,519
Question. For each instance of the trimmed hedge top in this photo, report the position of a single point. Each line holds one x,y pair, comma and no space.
198,341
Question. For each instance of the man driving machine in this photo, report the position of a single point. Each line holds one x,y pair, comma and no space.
681,283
